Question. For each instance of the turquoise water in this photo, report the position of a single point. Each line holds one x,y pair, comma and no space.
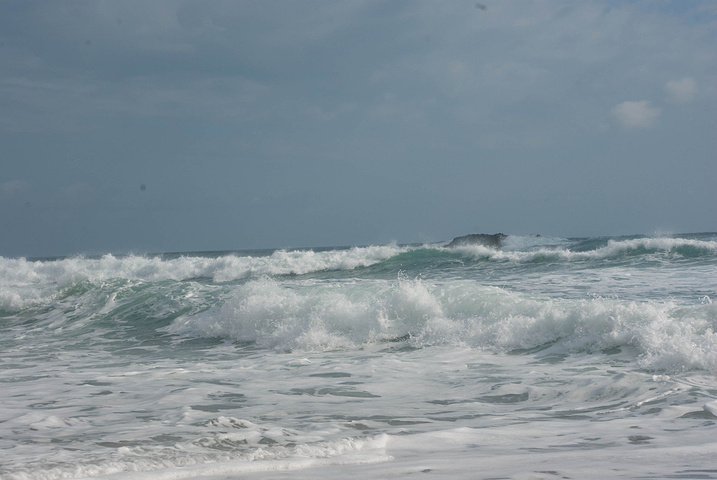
336,359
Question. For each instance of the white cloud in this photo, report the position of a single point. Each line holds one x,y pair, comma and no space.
683,90
638,114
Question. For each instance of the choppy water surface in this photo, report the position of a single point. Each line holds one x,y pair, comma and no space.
548,357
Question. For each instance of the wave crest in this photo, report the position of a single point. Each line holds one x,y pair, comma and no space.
321,317
687,248
24,283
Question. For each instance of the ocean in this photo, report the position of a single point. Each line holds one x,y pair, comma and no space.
546,358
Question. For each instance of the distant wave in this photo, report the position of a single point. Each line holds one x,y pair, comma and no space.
24,282
223,268
613,249
298,262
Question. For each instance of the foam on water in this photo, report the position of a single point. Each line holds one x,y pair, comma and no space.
515,249
223,268
248,451
24,283
547,358
324,317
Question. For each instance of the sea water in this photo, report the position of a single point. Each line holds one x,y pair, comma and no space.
546,358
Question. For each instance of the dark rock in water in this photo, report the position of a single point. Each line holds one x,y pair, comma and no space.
495,240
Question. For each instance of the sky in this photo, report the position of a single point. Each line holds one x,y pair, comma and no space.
137,127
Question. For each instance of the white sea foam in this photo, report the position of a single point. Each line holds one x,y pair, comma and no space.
614,248
322,317
224,268
179,462
554,368
24,283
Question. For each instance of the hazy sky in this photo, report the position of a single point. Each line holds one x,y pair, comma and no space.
145,126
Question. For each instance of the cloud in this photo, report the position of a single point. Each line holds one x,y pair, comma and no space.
638,114
13,187
681,91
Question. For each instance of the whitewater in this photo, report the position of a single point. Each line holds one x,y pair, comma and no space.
545,358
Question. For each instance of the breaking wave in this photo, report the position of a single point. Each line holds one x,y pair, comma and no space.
614,249
24,283
324,317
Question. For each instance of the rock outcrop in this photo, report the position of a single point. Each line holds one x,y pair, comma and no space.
487,240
